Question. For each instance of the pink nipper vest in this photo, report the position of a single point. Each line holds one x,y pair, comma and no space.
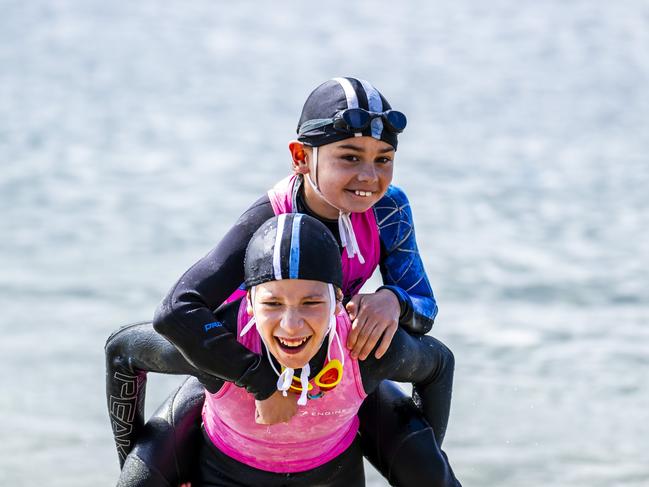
355,274
319,432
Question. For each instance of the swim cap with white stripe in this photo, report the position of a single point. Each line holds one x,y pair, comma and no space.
336,95
293,246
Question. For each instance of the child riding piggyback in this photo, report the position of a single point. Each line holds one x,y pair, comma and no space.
343,162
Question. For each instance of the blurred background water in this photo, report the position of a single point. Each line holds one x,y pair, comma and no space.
132,134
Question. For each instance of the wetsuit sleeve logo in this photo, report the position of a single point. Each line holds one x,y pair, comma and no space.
214,324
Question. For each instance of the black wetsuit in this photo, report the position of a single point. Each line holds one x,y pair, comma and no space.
189,306
137,349
184,312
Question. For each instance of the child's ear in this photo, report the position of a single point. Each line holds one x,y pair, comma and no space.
339,301
299,155
249,309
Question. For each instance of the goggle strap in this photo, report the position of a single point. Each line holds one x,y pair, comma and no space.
315,123
377,126
330,340
332,319
340,349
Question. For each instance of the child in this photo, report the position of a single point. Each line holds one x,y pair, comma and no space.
293,277
343,162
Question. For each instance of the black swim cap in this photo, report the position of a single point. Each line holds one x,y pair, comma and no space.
336,95
293,246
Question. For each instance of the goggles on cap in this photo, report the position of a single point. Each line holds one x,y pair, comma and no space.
353,120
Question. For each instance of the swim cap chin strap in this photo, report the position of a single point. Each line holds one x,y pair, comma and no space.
347,235
285,378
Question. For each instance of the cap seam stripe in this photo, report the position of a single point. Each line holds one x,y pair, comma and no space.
294,259
277,262
376,105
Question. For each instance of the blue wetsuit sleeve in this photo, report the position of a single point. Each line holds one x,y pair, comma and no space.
401,266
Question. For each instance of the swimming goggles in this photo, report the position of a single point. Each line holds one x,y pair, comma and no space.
355,120
328,378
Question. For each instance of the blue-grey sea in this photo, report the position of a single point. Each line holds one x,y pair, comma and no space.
132,134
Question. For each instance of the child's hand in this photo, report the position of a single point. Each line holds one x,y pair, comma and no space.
276,409
373,315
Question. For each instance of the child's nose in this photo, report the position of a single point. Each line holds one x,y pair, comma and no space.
367,173
292,320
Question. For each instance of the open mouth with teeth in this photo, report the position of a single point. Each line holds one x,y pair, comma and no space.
292,345
358,192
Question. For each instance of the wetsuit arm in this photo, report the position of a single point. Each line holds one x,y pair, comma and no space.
401,266
185,316
229,360
425,362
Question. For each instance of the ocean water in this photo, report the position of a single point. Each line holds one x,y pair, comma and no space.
133,134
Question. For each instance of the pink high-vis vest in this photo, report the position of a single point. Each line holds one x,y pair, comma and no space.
318,433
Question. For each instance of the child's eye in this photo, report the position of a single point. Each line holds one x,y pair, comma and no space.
351,158
383,160
271,303
313,303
